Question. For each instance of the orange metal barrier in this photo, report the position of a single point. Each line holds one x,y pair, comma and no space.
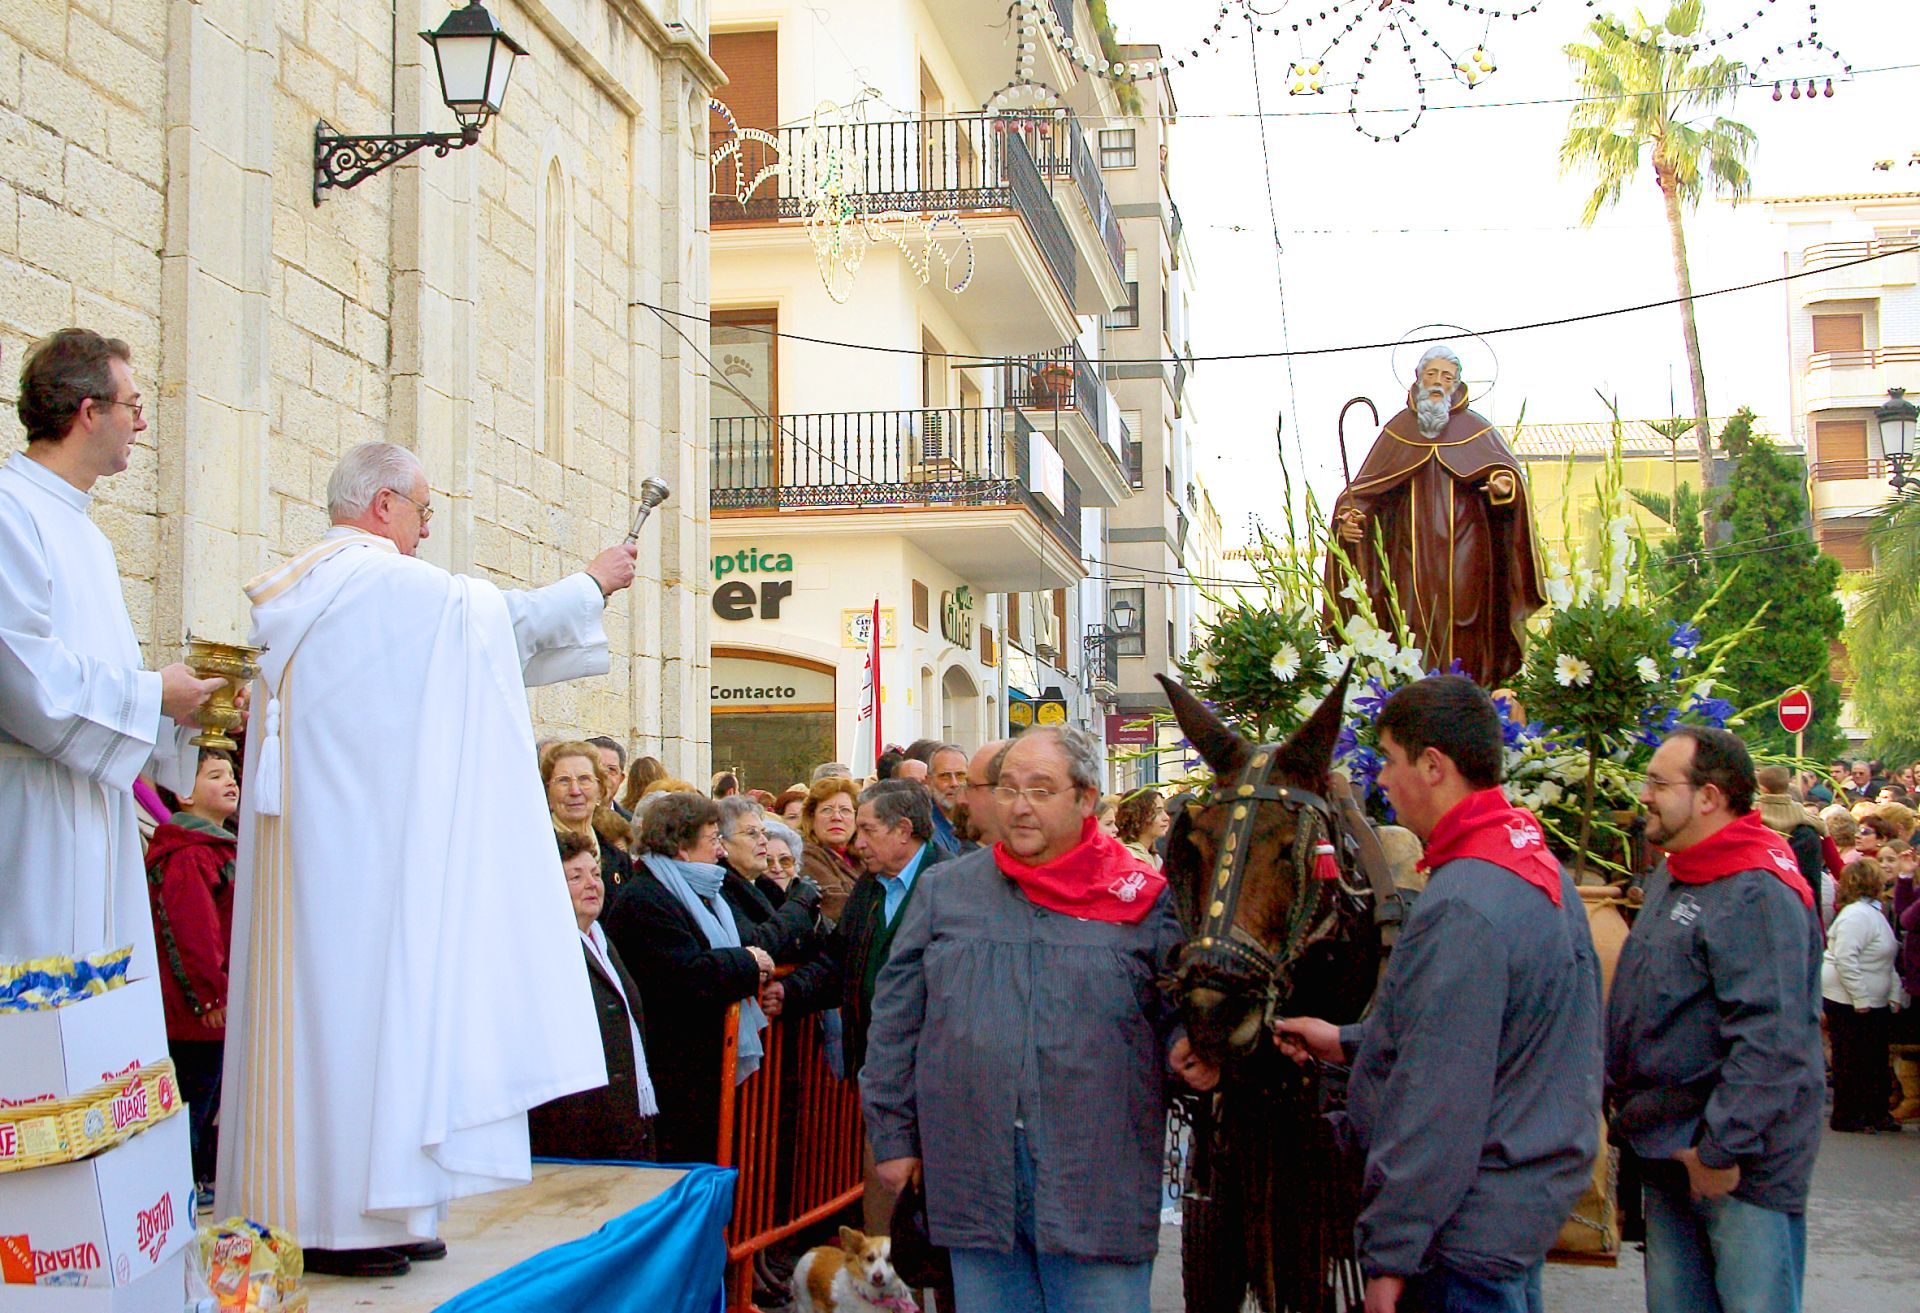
794,1133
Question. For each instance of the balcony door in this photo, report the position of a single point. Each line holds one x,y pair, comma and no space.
751,61
744,399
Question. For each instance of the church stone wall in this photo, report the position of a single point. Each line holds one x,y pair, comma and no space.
156,183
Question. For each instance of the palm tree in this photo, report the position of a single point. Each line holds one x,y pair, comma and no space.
1646,97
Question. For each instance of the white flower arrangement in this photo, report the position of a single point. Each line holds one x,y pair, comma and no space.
1570,671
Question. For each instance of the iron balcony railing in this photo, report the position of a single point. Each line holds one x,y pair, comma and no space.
1825,253
884,458
1061,150
968,164
1060,379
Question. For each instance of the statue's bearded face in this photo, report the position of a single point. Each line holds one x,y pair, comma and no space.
1433,395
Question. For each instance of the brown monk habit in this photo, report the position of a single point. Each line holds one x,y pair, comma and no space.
1461,557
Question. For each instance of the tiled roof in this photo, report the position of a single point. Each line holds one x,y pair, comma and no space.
1637,438
1841,196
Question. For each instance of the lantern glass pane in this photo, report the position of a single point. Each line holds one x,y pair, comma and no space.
497,83
463,71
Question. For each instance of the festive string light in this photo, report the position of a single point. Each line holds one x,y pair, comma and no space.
828,178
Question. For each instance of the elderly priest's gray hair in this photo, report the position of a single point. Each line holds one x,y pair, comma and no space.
363,472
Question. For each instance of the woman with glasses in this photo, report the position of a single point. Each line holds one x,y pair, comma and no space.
826,823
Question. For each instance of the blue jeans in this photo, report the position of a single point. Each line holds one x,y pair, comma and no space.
1722,1255
1024,1280
1443,1290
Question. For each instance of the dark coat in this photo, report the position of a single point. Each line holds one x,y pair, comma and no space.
835,974
603,1123
686,988
785,931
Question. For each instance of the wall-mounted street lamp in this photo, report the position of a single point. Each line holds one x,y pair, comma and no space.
1121,615
475,59
1896,417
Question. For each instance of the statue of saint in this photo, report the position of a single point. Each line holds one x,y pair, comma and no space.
1455,535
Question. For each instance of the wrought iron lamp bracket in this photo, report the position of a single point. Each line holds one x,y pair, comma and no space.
346,161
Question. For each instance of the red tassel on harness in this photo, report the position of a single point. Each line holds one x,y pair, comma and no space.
1326,864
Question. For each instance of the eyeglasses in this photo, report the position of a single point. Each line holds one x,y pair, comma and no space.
1655,782
1035,797
426,512
138,408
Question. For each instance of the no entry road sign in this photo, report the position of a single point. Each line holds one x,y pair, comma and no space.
1796,710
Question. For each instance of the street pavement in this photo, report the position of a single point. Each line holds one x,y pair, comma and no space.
1863,1240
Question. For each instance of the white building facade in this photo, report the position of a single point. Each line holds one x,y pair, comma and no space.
907,403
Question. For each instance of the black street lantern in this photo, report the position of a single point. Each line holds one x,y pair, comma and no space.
1122,616
1896,417
474,58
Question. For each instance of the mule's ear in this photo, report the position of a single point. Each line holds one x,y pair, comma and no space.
1308,755
1224,751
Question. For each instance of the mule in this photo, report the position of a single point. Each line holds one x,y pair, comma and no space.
1267,877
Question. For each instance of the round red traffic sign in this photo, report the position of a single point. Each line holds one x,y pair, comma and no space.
1796,710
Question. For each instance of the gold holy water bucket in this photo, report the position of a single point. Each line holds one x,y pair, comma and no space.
233,662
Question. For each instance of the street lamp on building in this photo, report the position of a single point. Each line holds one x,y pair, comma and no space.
1121,614
474,58
1896,417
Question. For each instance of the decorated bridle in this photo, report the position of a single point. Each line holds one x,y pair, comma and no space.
1222,950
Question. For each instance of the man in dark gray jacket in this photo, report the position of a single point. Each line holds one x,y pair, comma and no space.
1476,1080
1020,1045
1714,1071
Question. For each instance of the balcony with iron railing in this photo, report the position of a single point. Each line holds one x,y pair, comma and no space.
976,488
1060,392
847,174
1064,156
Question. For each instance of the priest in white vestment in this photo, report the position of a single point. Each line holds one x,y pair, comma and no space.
407,976
80,717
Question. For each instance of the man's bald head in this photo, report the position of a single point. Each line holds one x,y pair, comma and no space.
982,811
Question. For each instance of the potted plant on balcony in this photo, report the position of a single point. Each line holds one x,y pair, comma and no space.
1052,384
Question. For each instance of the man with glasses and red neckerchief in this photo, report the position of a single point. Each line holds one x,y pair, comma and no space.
1714,1072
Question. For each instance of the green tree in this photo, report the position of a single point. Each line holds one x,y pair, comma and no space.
1645,99
1681,569
1769,557
1880,641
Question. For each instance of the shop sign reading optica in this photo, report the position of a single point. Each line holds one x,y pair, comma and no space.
736,599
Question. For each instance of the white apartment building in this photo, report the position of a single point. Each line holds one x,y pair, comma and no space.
1853,332
961,472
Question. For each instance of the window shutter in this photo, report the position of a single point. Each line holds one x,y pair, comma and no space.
921,605
1840,449
1839,333
1133,265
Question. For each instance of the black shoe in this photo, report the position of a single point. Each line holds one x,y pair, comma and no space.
423,1251
357,1262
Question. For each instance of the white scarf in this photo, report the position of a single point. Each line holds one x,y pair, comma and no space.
596,941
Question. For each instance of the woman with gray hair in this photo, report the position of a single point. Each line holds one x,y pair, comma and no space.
783,863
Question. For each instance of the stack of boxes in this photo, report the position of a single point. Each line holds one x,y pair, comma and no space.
106,1231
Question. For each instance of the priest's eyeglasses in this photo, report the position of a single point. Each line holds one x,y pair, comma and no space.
426,512
137,407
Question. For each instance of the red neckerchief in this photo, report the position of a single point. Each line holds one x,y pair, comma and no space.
1745,845
1098,879
1486,826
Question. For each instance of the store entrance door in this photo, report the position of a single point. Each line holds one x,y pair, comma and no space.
773,717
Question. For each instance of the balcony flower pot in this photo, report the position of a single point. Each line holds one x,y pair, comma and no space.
1053,386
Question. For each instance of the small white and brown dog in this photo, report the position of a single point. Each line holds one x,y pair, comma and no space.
853,1276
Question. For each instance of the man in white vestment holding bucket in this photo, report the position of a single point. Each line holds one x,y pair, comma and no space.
407,977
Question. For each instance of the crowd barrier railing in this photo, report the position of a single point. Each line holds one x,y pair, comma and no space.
793,1131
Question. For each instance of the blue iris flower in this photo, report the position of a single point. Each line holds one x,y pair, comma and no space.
1685,634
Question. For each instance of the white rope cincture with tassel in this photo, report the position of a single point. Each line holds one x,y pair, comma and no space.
265,781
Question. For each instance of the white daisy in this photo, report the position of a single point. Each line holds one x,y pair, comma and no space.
1571,670
1203,664
1649,670
1286,662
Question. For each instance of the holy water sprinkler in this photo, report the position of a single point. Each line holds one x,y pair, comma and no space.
652,493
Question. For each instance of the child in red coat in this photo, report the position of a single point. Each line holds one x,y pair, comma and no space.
190,883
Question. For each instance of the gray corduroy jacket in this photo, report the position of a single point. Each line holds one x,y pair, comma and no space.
992,1010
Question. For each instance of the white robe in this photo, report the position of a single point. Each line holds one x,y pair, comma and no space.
79,719
407,975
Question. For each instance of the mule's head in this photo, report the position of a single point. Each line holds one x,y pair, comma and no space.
1221,1000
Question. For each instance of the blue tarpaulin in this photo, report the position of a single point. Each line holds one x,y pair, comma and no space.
669,1255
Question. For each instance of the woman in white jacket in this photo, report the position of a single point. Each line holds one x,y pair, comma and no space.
1860,990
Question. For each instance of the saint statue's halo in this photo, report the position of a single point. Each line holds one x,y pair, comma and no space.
1480,366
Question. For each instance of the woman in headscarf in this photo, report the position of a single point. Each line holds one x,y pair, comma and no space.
681,941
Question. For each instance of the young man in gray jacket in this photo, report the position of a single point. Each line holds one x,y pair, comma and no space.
1476,1080
1714,1072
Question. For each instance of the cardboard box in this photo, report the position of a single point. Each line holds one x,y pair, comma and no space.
69,1050
104,1221
163,1290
